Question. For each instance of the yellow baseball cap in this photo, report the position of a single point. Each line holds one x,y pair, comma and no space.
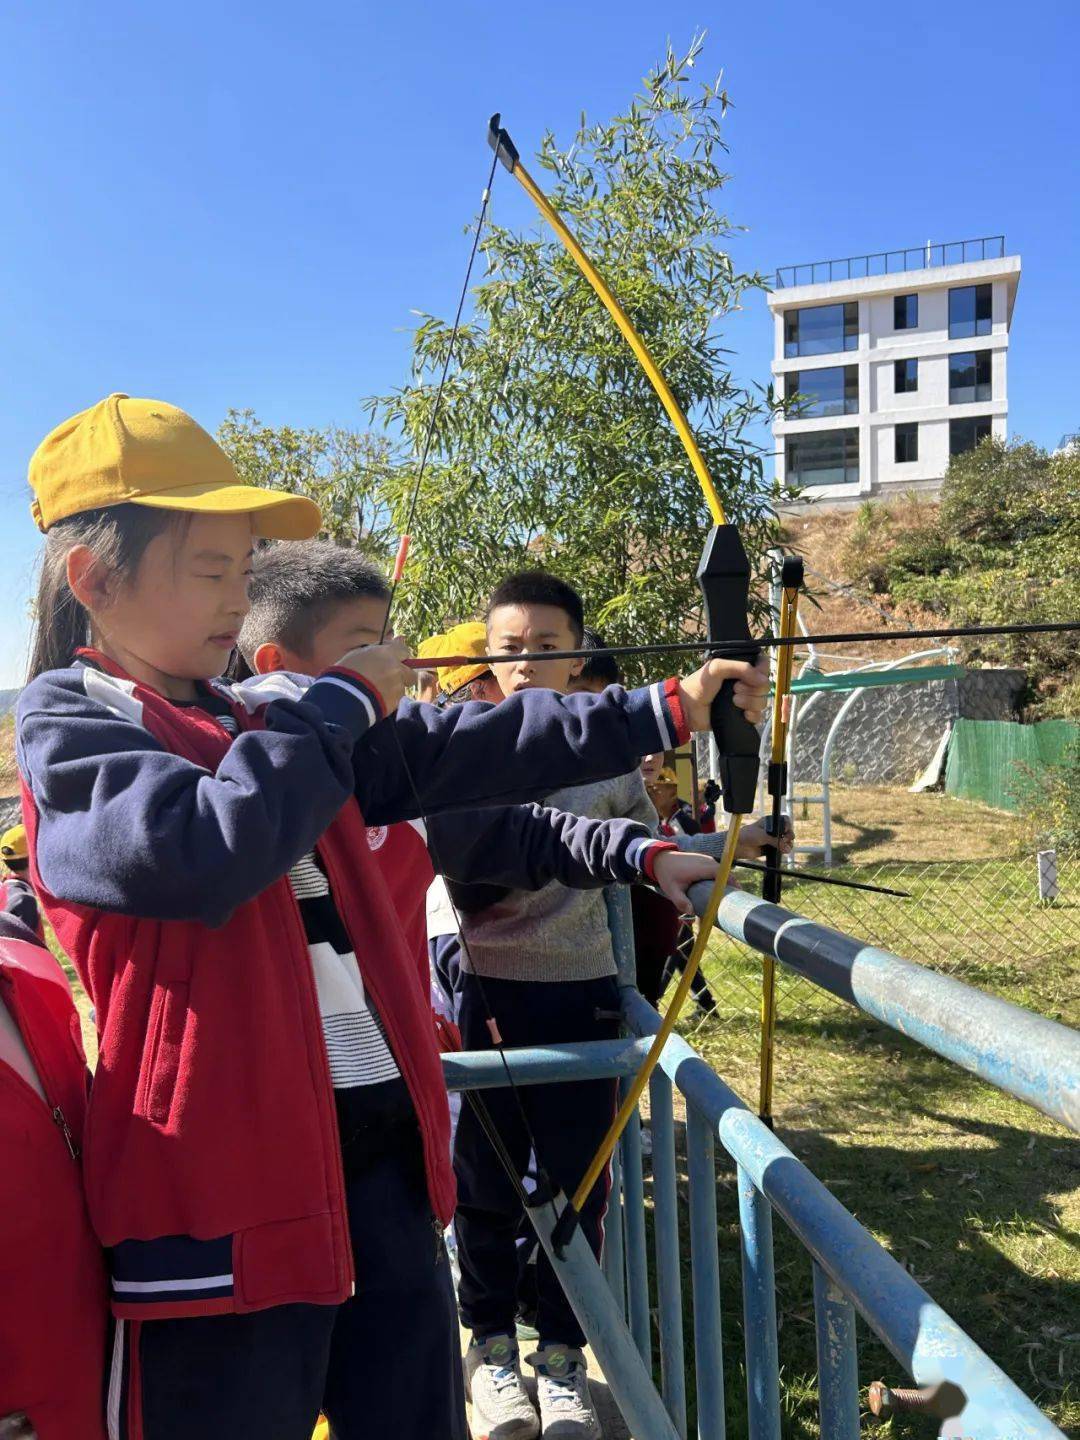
13,846
467,639
145,452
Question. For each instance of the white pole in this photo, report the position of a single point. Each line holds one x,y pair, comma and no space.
1048,876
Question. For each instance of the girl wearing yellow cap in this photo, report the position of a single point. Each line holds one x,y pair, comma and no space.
196,850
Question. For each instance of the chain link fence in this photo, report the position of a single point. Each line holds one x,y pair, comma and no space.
869,797
1011,926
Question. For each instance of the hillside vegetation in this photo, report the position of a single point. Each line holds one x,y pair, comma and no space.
998,547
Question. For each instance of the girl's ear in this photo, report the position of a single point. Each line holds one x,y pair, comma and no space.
268,658
88,579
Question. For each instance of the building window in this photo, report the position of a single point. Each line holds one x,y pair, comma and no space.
905,376
821,329
905,312
970,376
964,435
834,391
907,444
970,311
826,457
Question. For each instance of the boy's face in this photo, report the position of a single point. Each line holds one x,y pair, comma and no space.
352,624
516,629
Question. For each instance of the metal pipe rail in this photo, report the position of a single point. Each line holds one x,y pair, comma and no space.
1032,1058
852,1272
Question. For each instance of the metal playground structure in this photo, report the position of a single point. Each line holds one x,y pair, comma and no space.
1031,1058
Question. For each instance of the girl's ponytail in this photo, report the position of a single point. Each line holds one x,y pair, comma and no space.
118,536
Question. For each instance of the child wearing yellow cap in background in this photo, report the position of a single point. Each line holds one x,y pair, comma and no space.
453,684
175,824
18,903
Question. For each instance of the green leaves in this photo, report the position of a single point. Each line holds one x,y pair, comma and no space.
551,446
348,473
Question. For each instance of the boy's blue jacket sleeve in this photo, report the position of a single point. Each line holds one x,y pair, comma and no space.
523,749
523,847
127,826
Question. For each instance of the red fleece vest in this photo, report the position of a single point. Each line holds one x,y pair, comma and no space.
212,1111
53,1301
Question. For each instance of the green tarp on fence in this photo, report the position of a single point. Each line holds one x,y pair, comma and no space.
994,761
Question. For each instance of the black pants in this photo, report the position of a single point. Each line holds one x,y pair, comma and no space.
676,962
656,933
568,1122
387,1362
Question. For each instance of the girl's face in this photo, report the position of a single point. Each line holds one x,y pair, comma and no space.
176,620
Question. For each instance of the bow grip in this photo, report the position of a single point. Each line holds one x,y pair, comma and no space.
724,578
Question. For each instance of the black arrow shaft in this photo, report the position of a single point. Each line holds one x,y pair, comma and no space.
721,647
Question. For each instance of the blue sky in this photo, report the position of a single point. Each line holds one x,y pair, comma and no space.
240,205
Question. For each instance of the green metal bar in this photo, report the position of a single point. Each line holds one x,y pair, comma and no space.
868,679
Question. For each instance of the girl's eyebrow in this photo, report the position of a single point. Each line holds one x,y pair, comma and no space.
219,556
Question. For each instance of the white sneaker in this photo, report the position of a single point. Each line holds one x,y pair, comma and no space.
562,1384
501,1409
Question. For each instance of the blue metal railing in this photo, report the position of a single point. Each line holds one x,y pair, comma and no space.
891,262
852,1273
1032,1058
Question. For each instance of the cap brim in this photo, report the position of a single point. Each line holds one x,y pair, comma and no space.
275,515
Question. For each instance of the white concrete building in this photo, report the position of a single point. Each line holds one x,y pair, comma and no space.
900,360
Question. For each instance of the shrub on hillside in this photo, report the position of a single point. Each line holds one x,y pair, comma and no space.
1002,549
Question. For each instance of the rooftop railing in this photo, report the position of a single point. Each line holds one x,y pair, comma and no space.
891,262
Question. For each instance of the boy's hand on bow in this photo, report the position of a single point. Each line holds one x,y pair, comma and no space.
697,691
381,666
754,840
676,870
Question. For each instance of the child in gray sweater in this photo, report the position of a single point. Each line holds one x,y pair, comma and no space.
541,964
